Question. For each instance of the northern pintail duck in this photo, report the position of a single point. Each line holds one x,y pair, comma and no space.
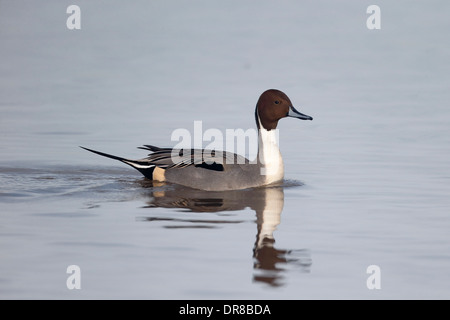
214,170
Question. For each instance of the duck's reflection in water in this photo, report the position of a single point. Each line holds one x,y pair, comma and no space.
269,261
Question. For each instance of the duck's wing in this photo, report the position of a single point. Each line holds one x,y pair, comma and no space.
167,158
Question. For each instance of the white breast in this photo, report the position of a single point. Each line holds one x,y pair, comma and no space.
270,156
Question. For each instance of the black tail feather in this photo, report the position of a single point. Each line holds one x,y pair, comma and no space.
106,155
144,167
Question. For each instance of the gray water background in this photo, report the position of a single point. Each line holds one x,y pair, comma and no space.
367,182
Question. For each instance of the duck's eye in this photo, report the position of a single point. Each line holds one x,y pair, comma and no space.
277,102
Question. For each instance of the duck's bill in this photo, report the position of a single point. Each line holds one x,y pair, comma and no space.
294,113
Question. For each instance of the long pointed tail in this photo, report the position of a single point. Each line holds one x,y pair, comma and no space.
142,166
105,154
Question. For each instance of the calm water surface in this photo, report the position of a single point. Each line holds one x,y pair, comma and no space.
366,183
